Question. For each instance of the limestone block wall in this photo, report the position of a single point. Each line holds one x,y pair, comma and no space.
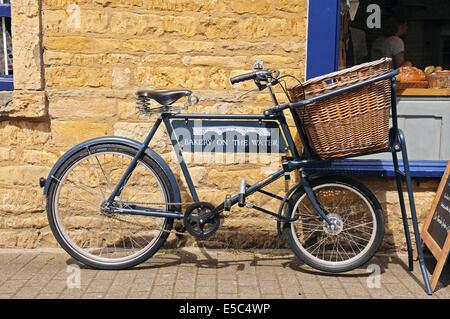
79,62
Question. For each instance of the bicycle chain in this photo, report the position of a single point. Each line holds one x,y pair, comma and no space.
140,225
162,204
184,203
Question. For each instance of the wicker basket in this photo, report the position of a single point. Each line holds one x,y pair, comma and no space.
352,123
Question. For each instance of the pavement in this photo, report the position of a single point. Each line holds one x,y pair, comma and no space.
198,273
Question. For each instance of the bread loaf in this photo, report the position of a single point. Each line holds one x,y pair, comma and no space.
411,74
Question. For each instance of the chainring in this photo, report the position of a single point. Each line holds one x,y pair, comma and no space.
196,223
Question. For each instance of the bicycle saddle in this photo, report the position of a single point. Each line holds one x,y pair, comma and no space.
164,97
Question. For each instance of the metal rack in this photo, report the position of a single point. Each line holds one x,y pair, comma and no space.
397,144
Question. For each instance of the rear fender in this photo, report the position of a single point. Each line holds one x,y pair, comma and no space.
115,140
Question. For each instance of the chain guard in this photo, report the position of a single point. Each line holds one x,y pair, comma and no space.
196,225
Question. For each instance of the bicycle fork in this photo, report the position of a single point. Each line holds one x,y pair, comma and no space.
312,198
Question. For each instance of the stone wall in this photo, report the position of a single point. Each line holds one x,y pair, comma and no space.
79,62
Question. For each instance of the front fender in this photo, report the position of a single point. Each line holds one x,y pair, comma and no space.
116,140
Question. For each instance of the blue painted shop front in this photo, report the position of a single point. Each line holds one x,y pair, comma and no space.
429,147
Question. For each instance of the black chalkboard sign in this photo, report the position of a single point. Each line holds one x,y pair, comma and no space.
435,231
440,223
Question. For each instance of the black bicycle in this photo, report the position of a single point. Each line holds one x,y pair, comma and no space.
112,201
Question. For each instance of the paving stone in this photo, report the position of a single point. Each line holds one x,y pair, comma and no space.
292,293
55,286
227,296
271,296
206,280
27,293
355,290
93,295
269,287
71,294
206,292
193,275
336,293
141,286
99,286
183,295
48,296
312,287
249,280
379,293
227,287
249,292
12,286
184,286
116,294
165,279
138,295
161,292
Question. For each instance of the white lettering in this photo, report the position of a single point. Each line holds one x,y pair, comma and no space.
192,309
374,19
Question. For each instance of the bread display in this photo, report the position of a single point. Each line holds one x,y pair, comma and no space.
411,77
439,80
411,74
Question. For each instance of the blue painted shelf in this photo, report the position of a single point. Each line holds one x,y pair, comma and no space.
424,169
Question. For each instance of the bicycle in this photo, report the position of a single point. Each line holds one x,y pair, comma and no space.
112,201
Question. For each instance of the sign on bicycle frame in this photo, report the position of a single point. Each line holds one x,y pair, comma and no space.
213,136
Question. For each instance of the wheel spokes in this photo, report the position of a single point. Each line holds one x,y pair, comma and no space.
335,245
108,237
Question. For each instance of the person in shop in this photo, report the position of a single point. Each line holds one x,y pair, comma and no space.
391,45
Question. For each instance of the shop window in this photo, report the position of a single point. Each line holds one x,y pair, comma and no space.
331,47
416,34
6,55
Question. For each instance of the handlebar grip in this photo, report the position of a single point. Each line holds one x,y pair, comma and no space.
243,77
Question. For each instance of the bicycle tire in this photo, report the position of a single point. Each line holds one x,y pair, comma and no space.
327,266
65,242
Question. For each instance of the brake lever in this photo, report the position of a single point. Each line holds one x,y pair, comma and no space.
260,86
247,93
275,74
269,77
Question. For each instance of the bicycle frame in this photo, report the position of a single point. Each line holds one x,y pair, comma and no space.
296,161
165,119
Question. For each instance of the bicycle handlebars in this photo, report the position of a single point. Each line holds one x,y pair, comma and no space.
260,75
243,77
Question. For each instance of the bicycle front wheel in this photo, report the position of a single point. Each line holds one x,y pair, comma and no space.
359,227
98,239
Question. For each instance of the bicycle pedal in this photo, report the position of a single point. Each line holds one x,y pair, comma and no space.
250,205
180,228
227,203
242,190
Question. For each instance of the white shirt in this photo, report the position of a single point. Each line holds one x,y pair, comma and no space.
387,47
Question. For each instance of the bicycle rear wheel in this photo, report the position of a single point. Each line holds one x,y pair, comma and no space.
99,239
358,216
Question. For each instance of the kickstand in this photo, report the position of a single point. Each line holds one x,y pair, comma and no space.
401,146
